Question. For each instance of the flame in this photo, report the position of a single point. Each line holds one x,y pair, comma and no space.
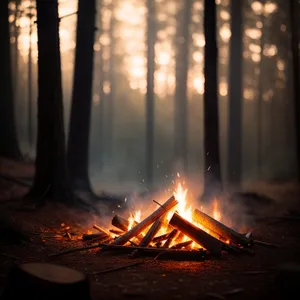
184,209
135,217
216,210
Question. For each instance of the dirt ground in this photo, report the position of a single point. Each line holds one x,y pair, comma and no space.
230,277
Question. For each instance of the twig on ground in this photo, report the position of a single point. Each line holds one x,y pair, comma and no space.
9,255
15,180
137,263
269,245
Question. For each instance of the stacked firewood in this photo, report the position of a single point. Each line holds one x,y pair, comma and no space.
212,236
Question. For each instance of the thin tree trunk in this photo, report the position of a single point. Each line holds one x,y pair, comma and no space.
78,142
8,135
50,164
182,64
30,134
212,171
110,103
294,15
101,122
151,38
260,101
235,95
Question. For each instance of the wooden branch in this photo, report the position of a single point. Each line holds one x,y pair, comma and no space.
171,238
100,229
88,237
123,224
196,234
161,238
182,245
170,203
179,237
118,232
262,243
120,223
152,231
220,229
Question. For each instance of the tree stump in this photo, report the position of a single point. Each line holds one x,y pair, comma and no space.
46,281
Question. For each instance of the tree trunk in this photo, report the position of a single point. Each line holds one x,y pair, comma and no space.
78,143
8,133
182,64
294,15
110,103
235,95
260,101
50,164
212,171
151,37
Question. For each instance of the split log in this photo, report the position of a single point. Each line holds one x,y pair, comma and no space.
220,229
100,229
46,281
171,238
118,232
152,231
179,237
120,223
161,238
123,224
182,245
136,230
93,236
199,236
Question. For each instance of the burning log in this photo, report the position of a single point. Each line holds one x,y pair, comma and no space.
196,234
120,223
179,237
152,231
160,238
100,229
47,281
136,230
117,232
93,236
220,229
170,239
123,224
182,245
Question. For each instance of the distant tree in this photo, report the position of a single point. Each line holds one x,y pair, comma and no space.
260,102
78,142
235,94
182,64
51,176
151,37
212,167
110,99
8,133
294,15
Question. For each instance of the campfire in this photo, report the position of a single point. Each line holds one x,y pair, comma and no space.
174,228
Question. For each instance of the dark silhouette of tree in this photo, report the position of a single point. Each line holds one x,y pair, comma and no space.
260,102
234,154
110,100
51,177
182,64
212,168
8,135
294,15
78,142
151,37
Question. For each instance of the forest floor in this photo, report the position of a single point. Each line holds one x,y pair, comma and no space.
242,277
